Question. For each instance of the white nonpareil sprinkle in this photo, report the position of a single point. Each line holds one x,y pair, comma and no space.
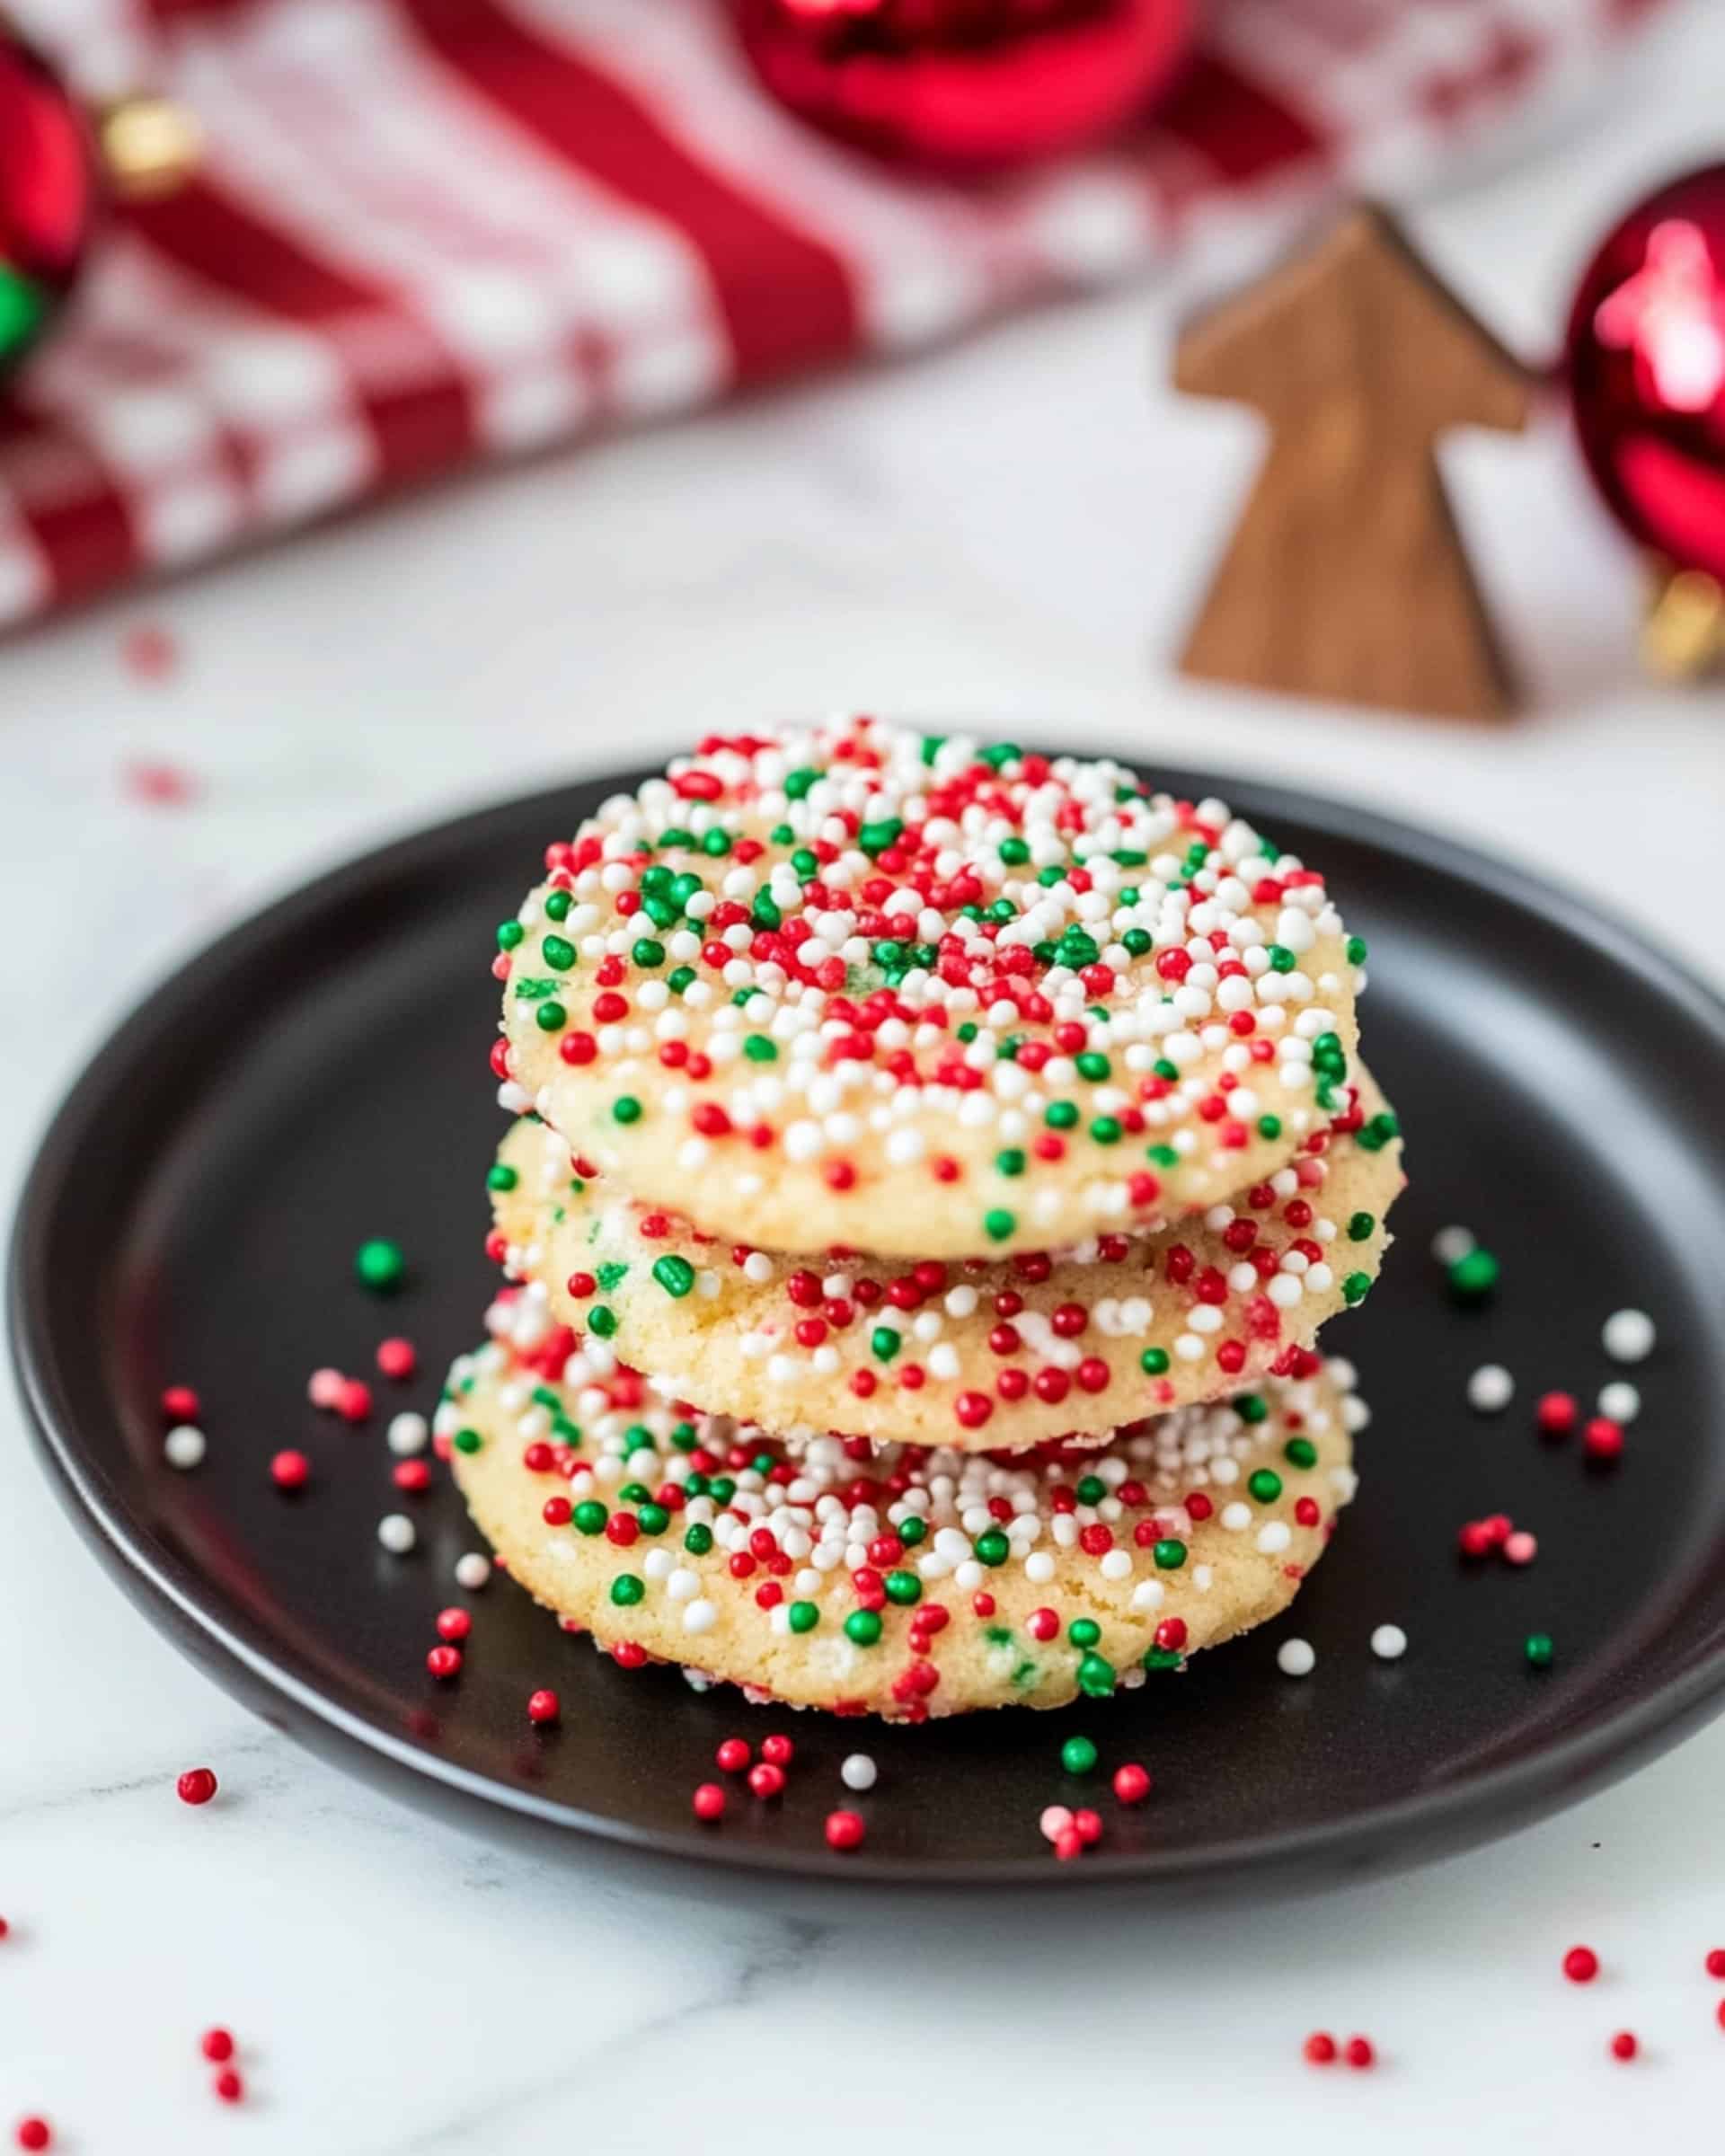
1448,1245
1619,1401
397,1532
184,1446
859,1772
1295,1658
1389,1643
1628,1335
473,1570
1490,1388
407,1434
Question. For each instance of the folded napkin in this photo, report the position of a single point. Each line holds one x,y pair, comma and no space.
432,232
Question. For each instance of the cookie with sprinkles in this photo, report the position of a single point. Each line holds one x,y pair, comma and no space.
975,1355
906,1583
865,987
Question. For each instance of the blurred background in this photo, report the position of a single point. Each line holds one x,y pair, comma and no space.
450,396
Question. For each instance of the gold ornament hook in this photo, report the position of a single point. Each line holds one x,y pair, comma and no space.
1682,637
150,146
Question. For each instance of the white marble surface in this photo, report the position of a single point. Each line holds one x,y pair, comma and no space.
1014,529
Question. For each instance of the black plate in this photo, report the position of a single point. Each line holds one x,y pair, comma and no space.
320,1076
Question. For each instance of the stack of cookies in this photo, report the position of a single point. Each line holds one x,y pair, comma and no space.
934,1164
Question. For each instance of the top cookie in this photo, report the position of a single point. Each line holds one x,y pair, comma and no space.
860,987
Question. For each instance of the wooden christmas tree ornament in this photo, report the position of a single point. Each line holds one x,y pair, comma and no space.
1347,577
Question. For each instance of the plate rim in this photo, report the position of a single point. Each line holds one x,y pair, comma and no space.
1564,1768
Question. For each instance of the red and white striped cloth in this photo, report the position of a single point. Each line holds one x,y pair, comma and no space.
429,232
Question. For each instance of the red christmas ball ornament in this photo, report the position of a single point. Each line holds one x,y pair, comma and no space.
50,192
1646,375
967,85
61,164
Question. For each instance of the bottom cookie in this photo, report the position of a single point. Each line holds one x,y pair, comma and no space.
901,1581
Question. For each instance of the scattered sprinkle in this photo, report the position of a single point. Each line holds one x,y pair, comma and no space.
1056,1820
1450,1244
290,1471
323,1389
1473,1276
380,1266
1603,1439
197,1785
1580,1965
473,1570
1490,1388
1619,1401
1132,1782
397,1533
859,1773
1320,2048
1358,2053
1520,1547
1539,1650
149,651
845,1830
180,1403
34,2133
1556,1414
709,1799
184,1446
160,785
229,2087
544,1706
1716,1961
397,1359
1389,1642
407,1434
1628,1335
1623,2044
217,2045
1297,1658
1078,1755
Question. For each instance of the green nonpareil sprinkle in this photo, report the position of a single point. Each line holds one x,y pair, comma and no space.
648,952
502,1177
558,905
993,1547
626,1108
675,1275
1269,1127
627,1589
380,1265
903,1588
997,1224
1264,1486
1083,1631
589,1517
1153,1362
1093,1067
1078,1755
510,935
862,1627
1060,1115
559,953
1361,1226
1010,1160
1356,951
1169,1554
698,1540
1096,1677
1300,1452
1356,1288
758,1048
885,1343
467,1441
550,1017
602,1320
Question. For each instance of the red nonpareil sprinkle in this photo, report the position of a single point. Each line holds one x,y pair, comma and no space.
354,1402
1132,1782
766,1780
1719,2013
1580,1965
150,652
709,1801
732,1756
197,1785
34,2133
180,1403
1320,2048
777,1750
397,1358
544,1707
845,1830
229,2087
5,1927
1358,2053
290,1471
1087,1825
1555,1413
1623,2044
1603,1439
1068,1844
217,2045
1715,1960
1520,1547
454,1624
443,1661
413,1476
